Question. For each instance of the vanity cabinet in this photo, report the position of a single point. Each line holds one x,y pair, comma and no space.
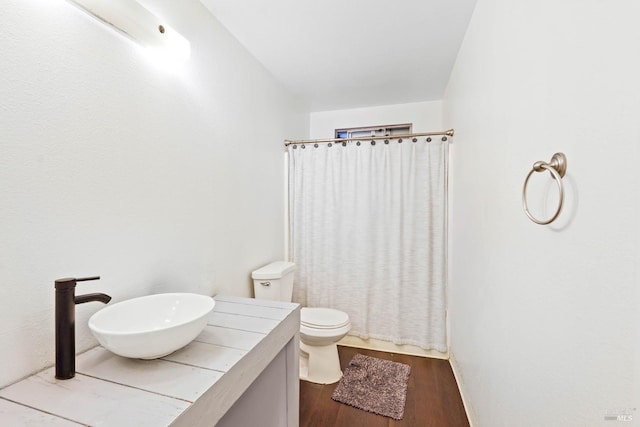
241,370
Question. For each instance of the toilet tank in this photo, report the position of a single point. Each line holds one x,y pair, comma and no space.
274,281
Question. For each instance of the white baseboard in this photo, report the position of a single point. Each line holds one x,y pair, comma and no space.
379,345
471,416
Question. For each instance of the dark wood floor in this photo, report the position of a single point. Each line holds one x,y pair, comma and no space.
433,399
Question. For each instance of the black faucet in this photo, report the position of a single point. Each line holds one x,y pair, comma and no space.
66,301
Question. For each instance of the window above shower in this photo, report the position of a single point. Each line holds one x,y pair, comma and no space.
369,131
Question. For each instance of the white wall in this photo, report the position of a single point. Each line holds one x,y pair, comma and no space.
544,319
113,166
425,116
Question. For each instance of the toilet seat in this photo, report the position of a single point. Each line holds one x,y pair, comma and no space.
323,318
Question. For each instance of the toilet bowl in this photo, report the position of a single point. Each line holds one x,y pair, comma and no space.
320,328
320,331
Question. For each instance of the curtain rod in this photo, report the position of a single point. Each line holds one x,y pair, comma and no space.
368,138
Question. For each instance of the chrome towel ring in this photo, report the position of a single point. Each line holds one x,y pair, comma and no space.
557,167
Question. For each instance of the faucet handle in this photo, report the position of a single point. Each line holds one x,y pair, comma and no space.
70,282
84,279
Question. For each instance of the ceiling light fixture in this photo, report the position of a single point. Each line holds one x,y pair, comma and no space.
139,24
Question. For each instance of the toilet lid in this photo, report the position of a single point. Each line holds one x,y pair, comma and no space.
323,318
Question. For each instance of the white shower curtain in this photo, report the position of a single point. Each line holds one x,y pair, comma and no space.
368,235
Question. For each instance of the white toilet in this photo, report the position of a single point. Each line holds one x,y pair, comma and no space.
320,328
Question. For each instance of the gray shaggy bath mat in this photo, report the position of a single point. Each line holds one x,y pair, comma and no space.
374,385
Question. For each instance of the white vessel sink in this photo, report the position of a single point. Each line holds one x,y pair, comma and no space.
152,326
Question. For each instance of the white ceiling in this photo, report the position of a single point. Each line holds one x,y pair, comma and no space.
352,53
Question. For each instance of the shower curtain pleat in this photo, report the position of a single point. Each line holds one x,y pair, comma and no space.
368,236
